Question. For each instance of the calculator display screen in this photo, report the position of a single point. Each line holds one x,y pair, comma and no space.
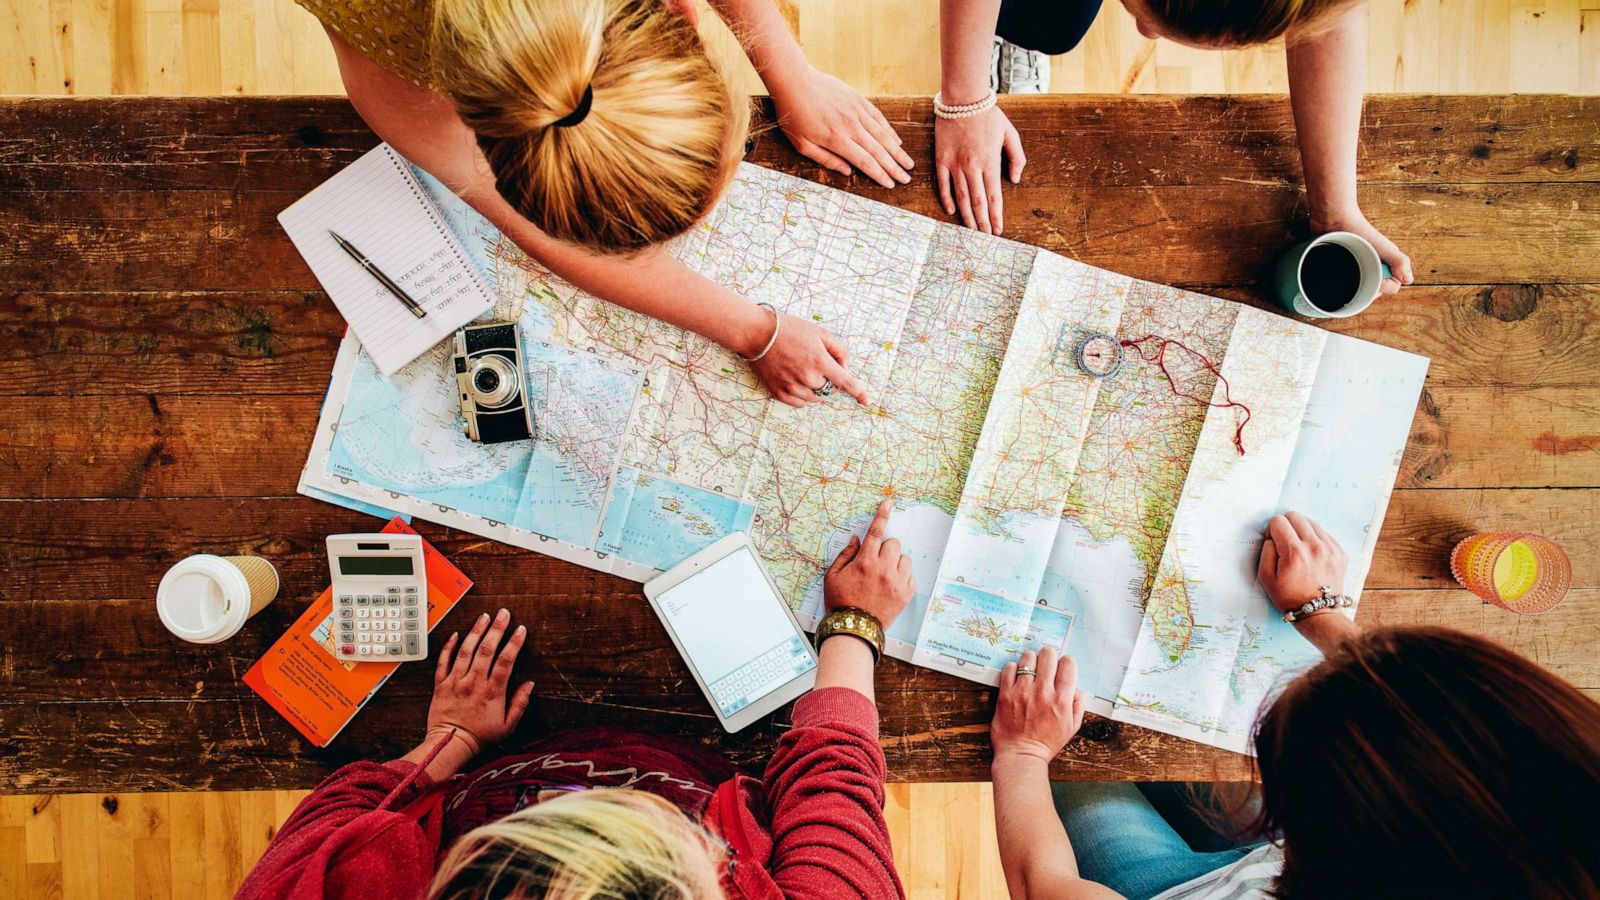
375,565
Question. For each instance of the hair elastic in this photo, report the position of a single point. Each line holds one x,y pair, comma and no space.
579,114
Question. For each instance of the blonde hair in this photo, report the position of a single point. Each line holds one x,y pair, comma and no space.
1238,23
602,843
661,136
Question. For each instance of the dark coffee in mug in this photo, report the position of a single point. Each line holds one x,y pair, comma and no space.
1330,275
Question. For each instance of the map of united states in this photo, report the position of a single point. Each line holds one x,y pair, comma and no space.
1110,516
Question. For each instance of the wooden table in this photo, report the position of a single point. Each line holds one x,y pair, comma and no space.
164,350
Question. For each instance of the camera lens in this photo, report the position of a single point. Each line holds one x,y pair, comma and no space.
494,381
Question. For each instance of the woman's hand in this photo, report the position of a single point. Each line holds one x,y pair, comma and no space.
803,360
1037,714
967,154
872,573
1356,223
469,684
830,122
1297,559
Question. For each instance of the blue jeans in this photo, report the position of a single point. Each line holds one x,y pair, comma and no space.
1122,842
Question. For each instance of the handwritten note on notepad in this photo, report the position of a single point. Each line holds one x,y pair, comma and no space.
377,205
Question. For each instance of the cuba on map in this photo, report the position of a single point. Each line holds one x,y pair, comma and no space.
1116,517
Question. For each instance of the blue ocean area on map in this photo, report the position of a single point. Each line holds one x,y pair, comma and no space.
980,628
658,522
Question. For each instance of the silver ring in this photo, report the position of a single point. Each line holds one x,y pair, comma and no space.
1026,670
826,389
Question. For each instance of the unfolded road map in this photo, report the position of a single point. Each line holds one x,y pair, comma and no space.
1115,517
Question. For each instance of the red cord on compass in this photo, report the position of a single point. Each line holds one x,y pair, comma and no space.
1160,359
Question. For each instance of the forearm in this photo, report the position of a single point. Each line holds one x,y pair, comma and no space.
651,282
766,39
966,35
452,758
1034,847
1327,75
846,661
1327,630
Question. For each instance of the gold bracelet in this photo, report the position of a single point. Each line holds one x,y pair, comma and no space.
856,622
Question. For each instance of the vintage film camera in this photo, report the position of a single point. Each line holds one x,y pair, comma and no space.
490,378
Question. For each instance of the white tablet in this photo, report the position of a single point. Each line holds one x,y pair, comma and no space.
742,644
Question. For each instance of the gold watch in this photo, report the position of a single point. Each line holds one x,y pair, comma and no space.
856,622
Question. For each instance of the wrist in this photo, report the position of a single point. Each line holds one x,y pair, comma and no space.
1329,214
861,625
1021,758
749,329
1326,628
965,88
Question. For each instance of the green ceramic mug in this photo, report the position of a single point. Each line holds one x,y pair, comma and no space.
1344,277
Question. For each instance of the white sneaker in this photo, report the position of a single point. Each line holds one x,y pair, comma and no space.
994,63
1022,71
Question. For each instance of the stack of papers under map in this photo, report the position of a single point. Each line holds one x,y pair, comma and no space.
1115,518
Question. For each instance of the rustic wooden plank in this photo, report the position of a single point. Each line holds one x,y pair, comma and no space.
119,548
242,743
255,445
69,345
1504,437
1186,235
117,649
295,143
1565,640
934,726
283,342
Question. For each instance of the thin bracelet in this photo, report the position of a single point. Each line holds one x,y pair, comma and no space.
963,111
777,326
451,732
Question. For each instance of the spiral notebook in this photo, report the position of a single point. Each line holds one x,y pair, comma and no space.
378,205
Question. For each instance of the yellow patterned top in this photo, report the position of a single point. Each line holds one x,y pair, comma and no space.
391,33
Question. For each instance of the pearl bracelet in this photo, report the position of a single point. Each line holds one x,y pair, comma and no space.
1328,600
963,111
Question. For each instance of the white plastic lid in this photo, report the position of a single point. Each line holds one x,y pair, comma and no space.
203,599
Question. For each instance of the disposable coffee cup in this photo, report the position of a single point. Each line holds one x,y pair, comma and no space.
1331,276
206,599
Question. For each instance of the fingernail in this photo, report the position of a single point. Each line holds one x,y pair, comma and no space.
502,613
483,618
522,629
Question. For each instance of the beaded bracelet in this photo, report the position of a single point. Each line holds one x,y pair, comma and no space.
964,110
1328,600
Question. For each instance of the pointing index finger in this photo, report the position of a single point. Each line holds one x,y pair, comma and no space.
844,381
880,524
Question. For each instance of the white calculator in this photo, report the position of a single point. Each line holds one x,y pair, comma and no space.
380,597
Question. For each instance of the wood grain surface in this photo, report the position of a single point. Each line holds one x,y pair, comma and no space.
164,351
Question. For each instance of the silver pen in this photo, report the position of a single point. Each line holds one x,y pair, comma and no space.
375,272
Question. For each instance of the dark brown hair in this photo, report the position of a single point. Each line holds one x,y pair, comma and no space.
1429,762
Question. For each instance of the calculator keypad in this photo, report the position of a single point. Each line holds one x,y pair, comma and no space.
382,623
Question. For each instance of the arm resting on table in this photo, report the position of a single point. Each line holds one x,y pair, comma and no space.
825,793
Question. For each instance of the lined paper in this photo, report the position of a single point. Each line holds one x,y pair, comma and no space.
377,205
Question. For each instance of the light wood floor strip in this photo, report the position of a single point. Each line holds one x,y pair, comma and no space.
198,846
250,47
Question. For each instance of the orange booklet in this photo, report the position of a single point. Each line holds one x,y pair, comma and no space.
318,694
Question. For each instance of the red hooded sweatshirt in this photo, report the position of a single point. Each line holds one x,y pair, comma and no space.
814,829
